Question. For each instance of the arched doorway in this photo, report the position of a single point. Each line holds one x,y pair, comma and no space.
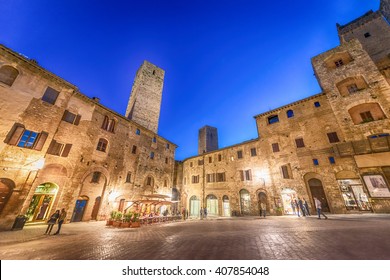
245,201
6,188
95,208
226,206
317,190
262,198
212,205
79,209
287,198
194,206
41,202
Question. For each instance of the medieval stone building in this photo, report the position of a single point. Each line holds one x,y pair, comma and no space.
334,145
62,149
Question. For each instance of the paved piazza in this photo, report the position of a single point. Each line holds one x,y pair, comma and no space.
361,237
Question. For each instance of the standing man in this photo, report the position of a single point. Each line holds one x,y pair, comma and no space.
306,205
317,202
300,203
205,213
61,220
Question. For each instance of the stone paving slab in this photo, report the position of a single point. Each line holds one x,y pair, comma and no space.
355,237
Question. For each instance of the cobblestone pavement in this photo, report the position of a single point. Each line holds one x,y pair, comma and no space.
346,237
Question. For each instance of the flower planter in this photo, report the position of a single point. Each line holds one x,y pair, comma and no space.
109,223
116,224
125,225
135,224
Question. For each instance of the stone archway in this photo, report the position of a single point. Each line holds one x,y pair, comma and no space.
317,190
42,202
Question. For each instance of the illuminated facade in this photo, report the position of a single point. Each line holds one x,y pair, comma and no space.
334,145
62,149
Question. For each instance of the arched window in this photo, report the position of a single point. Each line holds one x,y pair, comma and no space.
366,112
8,75
102,145
351,85
290,113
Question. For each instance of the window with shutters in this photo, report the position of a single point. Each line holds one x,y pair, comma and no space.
333,138
220,177
286,171
239,154
195,179
108,124
253,152
128,177
299,143
50,95
59,149
102,145
8,75
246,175
71,118
210,178
200,161
275,147
21,137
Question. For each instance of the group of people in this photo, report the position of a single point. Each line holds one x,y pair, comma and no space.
203,213
301,207
57,216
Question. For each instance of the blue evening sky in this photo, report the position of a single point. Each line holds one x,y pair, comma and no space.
225,61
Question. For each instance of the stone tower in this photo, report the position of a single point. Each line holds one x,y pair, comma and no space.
145,98
208,139
372,30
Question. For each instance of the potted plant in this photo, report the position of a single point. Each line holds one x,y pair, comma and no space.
135,220
111,219
118,219
126,220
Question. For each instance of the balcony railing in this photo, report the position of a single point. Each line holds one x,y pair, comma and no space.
361,147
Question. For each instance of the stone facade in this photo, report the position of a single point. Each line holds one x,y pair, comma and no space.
61,149
334,145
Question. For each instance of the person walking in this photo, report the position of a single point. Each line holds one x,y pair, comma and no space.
301,207
263,209
317,202
306,205
52,220
205,213
296,207
293,206
61,220
201,213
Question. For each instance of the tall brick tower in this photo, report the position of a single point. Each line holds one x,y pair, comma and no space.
208,139
145,98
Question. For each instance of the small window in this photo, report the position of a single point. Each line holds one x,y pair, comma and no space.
367,34
95,177
273,119
210,178
353,88
333,138
195,179
71,118
248,175
315,161
317,104
239,154
366,116
149,181
299,143
379,135
137,131
221,177
50,95
128,177
166,160
339,63
200,162
275,147
331,160
102,145
167,146
8,75
151,155
285,172
191,164
134,149
210,159
290,113
219,157
253,152
59,149
108,124
154,140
